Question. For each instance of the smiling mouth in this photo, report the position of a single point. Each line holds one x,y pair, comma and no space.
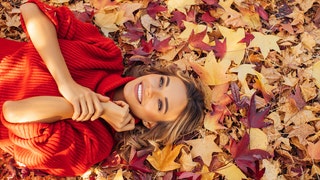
139,93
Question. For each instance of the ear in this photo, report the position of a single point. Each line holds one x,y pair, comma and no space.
149,125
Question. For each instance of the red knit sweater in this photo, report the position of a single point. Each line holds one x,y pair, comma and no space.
64,148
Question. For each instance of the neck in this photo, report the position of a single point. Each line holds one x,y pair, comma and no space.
118,94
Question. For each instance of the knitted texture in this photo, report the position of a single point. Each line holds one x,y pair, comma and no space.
64,148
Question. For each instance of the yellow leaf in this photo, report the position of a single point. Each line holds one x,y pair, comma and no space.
258,139
230,16
204,148
265,43
213,72
231,172
163,160
180,5
235,50
271,169
206,174
316,73
107,18
186,162
119,175
243,70
197,28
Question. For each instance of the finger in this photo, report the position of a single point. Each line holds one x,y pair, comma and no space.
76,108
103,98
98,109
121,103
90,106
84,109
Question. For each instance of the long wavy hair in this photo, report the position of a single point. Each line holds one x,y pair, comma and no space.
167,132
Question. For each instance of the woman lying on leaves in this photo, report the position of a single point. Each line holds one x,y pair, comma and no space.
62,95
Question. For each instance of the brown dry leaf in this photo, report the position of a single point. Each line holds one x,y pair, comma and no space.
107,19
187,164
147,21
164,160
302,132
265,43
230,16
231,172
308,41
128,9
272,169
316,73
297,16
204,148
13,21
250,18
308,90
314,150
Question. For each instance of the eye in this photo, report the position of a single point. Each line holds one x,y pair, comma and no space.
161,81
159,105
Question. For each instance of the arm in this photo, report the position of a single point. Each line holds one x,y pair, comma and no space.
43,35
49,109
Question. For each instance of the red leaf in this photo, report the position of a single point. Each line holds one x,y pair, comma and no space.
247,38
256,118
195,40
134,31
220,48
211,2
246,158
262,13
298,99
137,163
178,17
207,18
162,46
154,8
188,175
191,16
113,160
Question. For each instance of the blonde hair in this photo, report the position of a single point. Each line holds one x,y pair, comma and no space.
168,132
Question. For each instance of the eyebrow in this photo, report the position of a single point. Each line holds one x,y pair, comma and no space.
166,109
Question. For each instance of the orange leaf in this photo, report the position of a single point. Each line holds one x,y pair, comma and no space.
314,150
163,160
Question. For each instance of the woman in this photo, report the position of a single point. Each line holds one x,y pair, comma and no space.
70,73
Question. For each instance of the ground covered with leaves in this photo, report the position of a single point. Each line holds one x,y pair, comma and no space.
259,61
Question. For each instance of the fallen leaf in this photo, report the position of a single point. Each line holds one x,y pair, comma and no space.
204,148
265,43
206,174
314,150
119,175
187,164
256,118
196,28
258,139
231,172
180,5
235,48
302,132
316,73
164,160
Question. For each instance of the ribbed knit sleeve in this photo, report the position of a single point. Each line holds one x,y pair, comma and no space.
64,148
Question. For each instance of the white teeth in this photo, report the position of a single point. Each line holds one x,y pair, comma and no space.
140,93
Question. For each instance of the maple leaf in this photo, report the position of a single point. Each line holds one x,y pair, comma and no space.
213,72
220,48
195,40
314,150
207,18
211,2
265,43
180,5
147,22
204,148
235,48
187,164
162,46
134,31
154,8
128,10
206,174
164,160
196,28
261,11
297,98
246,158
188,175
258,139
247,38
178,17
137,163
231,171
256,119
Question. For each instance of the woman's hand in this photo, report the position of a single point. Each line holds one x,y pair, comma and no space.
86,103
118,116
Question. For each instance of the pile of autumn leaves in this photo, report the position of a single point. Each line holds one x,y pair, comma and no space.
259,62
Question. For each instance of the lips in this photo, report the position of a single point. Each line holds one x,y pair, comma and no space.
139,93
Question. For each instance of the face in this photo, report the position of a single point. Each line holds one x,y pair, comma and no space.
154,97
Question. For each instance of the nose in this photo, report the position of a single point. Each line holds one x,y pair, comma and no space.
152,91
